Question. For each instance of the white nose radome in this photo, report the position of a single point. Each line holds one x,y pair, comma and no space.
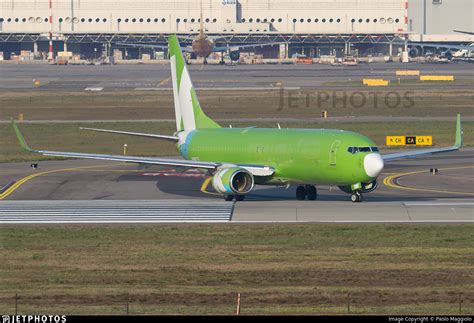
373,164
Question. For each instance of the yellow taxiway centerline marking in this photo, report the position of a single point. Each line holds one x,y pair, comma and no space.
391,182
22,181
166,80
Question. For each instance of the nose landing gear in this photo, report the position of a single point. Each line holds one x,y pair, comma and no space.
356,197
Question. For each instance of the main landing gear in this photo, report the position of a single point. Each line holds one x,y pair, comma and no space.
307,191
230,198
356,197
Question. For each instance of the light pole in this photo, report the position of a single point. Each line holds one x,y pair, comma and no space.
424,19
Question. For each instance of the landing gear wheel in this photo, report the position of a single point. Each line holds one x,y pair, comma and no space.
229,198
300,193
356,197
240,197
311,192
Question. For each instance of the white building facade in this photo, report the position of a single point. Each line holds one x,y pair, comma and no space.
219,16
310,27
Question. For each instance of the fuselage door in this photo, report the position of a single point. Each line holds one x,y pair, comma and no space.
333,152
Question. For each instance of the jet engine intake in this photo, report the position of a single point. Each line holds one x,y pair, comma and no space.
233,180
234,55
413,52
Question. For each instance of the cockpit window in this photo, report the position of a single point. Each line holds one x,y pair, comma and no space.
355,150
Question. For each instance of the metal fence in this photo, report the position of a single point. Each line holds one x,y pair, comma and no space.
455,303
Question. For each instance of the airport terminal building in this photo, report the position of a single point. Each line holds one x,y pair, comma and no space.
310,27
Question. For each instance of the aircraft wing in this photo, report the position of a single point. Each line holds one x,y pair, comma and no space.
425,152
184,49
441,45
171,138
189,49
256,170
239,47
186,37
432,45
214,38
464,32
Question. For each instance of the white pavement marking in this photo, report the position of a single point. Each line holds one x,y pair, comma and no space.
113,211
438,204
96,89
212,211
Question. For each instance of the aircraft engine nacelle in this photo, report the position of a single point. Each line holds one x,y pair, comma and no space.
366,187
234,55
233,180
447,54
413,52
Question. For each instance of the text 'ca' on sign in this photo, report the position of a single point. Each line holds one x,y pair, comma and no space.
410,140
424,140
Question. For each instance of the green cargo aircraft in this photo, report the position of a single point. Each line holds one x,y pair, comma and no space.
240,158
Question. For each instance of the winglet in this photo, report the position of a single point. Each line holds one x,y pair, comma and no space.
20,137
458,142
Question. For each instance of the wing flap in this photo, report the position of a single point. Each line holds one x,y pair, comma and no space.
132,159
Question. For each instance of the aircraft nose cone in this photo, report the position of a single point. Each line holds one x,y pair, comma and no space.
373,164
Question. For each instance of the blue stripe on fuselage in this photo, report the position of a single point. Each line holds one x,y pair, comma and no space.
184,148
